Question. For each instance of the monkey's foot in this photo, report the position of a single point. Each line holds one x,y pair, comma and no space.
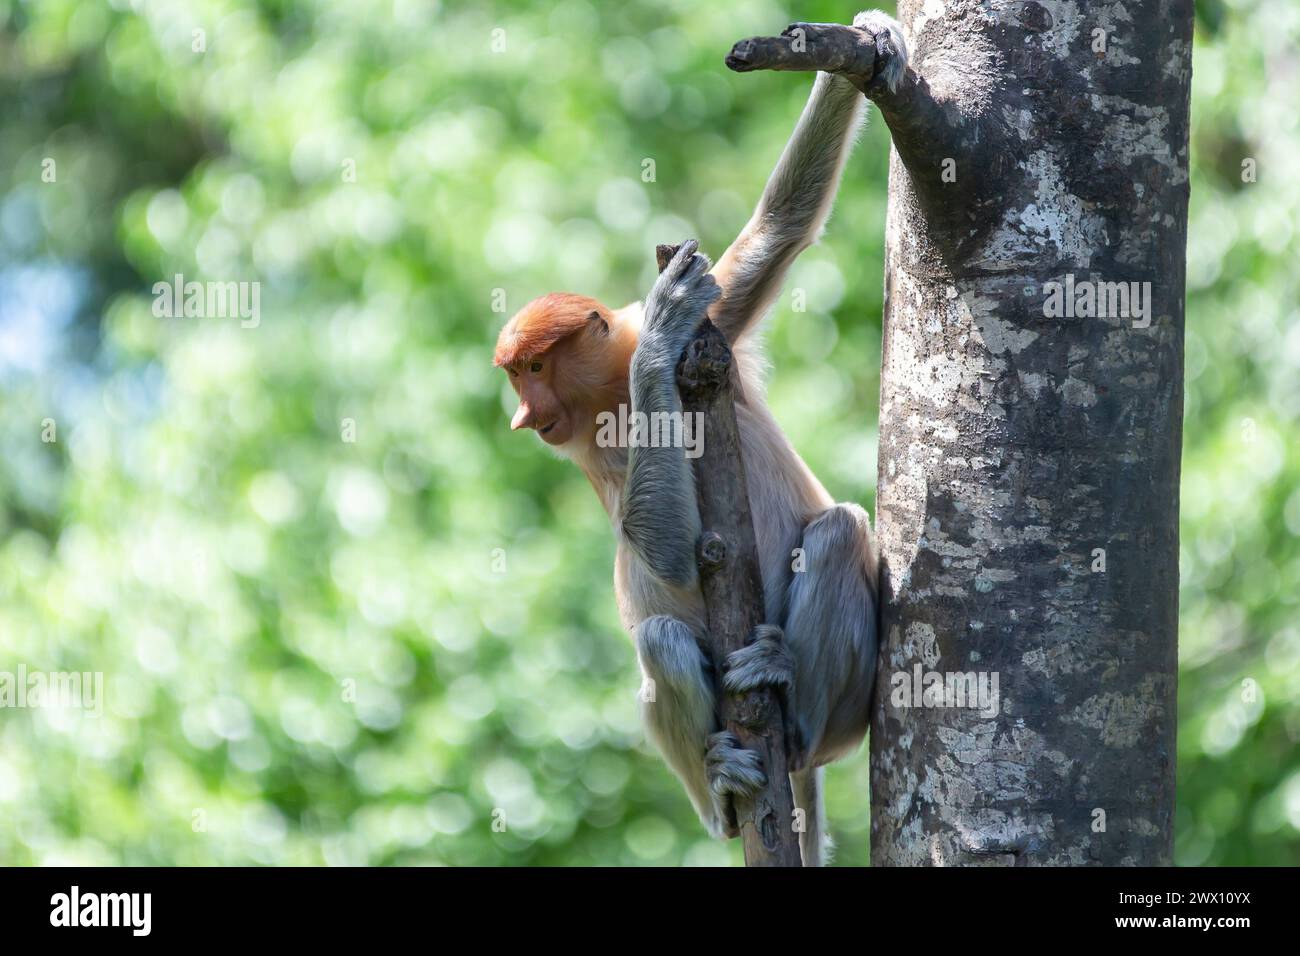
766,662
731,769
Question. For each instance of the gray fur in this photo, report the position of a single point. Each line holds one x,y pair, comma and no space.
659,518
830,628
731,768
889,36
797,199
793,208
767,662
823,636
680,718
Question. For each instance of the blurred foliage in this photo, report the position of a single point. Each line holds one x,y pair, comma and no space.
356,652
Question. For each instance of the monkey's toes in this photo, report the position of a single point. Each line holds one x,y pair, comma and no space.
682,260
767,662
732,769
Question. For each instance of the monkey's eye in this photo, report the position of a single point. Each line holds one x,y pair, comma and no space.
535,367
514,373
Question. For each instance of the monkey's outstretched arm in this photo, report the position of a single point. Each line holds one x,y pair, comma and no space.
659,518
793,208
798,196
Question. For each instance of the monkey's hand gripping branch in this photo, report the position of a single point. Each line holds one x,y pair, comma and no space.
927,130
871,50
732,586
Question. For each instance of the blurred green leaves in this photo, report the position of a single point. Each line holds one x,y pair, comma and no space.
368,643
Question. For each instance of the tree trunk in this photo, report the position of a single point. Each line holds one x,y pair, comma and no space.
1030,434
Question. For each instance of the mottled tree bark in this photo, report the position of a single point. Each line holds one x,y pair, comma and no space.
1029,443
1030,424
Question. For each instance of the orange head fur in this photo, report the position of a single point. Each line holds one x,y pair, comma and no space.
567,356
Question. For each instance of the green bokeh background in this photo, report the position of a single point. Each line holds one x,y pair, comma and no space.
313,650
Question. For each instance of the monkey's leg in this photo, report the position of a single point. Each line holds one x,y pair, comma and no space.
830,628
678,708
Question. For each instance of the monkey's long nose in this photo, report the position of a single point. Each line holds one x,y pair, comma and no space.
523,418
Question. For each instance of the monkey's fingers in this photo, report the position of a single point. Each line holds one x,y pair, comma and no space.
681,261
697,270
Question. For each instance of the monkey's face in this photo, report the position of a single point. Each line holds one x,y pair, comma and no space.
540,406
567,360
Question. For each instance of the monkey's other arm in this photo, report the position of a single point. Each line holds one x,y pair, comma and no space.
659,518
798,196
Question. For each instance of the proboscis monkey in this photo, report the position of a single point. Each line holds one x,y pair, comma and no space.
574,362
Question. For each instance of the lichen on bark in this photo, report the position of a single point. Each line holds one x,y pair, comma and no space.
1016,444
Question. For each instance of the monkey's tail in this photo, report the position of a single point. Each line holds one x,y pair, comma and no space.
814,842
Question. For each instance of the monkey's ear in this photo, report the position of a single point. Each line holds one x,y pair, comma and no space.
596,319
